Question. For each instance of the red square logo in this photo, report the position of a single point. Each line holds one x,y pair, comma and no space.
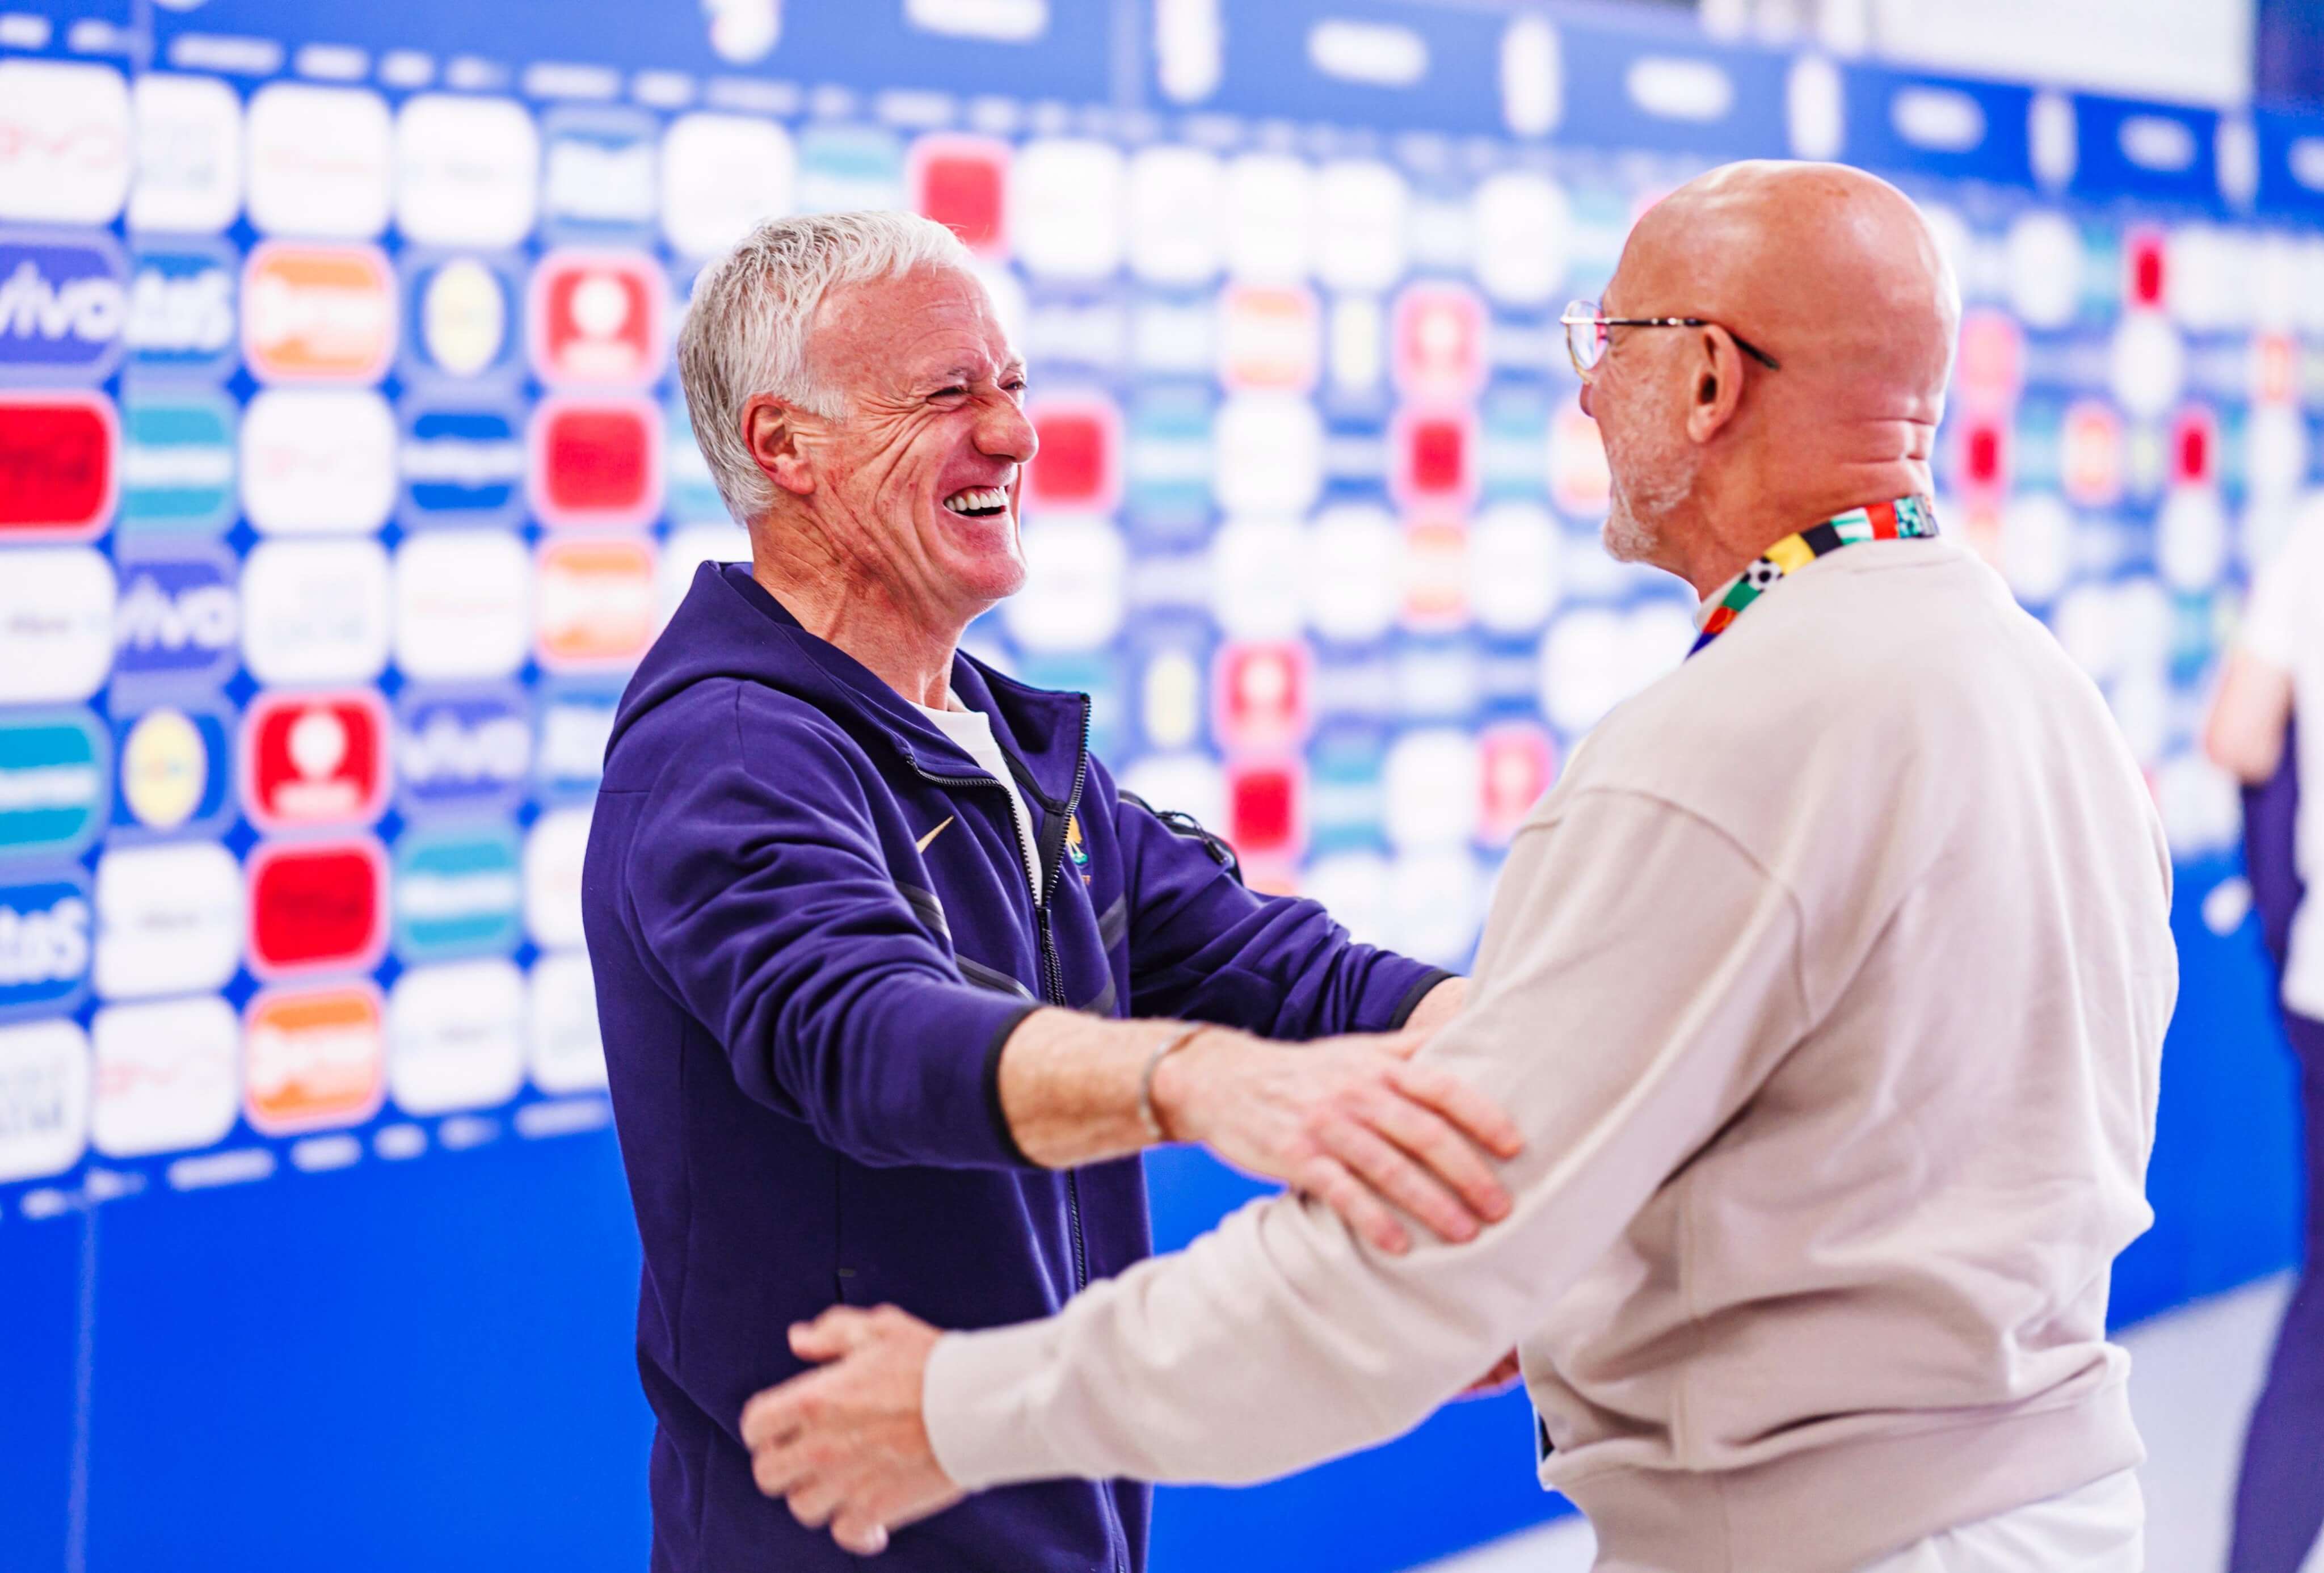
597,317
2194,443
315,759
962,183
317,906
1260,695
58,469
1263,802
1079,464
596,461
1435,458
1984,455
2145,276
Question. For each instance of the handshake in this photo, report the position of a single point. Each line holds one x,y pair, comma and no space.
1354,1123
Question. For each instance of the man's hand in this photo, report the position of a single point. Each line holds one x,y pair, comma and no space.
846,1445
1349,1122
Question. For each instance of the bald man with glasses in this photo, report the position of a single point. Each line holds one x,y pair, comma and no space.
1828,987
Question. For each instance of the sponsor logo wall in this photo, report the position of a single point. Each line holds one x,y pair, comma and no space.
344,477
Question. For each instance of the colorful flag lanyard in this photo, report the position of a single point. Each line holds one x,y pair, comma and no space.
1905,519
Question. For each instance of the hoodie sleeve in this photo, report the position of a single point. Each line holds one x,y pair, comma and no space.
1206,948
768,909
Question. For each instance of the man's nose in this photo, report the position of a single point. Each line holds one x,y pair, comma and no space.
1584,397
1004,431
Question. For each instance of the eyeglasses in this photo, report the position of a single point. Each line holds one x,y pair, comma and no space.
1586,338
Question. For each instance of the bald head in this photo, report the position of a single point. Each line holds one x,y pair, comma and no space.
1835,276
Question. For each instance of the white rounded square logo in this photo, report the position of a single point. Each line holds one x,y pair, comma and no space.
189,155
567,1054
315,611
1067,208
462,605
721,175
56,625
319,160
44,1096
456,1036
552,877
1523,224
467,170
1269,450
1361,225
1174,197
1269,208
318,462
168,1076
168,920
64,141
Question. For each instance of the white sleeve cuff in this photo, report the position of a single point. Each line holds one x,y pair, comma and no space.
978,1398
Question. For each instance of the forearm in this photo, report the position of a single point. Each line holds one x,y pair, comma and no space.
1069,1085
1438,1007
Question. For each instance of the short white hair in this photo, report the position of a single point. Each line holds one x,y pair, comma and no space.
746,330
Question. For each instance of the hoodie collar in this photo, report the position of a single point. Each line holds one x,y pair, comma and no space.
1045,732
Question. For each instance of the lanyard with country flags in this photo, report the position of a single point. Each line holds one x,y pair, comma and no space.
1905,519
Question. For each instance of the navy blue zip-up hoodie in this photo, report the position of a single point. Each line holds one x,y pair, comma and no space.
810,923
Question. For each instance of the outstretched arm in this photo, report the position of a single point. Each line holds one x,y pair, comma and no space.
1639,978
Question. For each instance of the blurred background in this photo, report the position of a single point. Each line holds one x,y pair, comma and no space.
343,477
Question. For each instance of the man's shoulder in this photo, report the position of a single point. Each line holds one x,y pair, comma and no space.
731,722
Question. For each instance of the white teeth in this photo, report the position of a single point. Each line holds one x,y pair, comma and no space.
978,500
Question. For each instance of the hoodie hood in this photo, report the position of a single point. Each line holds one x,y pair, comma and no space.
728,627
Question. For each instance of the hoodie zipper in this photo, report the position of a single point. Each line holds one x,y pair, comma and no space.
1052,991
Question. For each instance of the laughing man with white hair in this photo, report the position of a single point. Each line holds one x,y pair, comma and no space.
866,918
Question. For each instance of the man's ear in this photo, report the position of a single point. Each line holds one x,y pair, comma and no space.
771,430
1717,385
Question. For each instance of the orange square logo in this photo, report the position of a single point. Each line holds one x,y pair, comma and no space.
318,313
314,1058
1269,338
595,602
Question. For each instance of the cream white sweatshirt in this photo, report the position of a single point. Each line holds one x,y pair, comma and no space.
1829,987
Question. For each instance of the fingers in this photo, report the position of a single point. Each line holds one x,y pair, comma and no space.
838,1331
1460,1103
1328,1181
859,1532
1390,1171
1432,1142
775,1414
813,1501
781,1468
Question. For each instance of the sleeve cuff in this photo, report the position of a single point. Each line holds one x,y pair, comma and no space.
993,1107
977,1400
1414,995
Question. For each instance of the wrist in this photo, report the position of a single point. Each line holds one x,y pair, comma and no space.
1181,1079
1164,1120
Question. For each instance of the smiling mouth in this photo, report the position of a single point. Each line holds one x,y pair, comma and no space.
978,503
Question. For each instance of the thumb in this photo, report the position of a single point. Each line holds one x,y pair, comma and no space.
840,1330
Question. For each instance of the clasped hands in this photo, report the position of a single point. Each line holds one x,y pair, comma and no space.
1350,1122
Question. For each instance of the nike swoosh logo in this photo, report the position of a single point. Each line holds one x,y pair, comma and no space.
934,833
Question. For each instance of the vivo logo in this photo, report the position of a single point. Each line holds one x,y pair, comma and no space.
175,618
63,305
464,752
